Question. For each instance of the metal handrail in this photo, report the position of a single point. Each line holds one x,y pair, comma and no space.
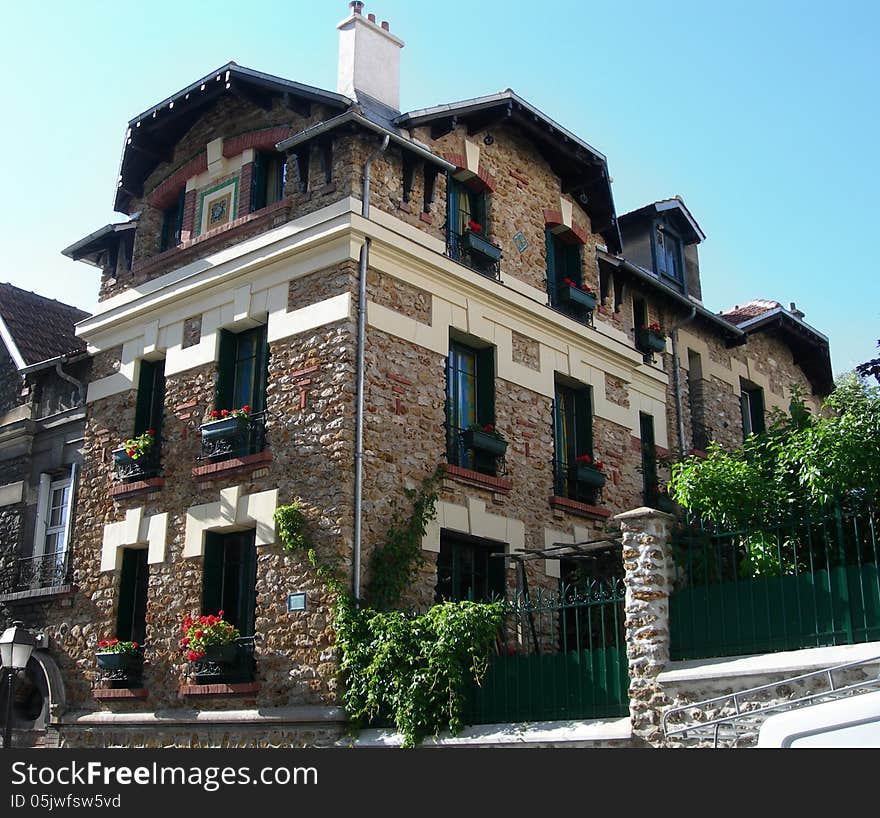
735,699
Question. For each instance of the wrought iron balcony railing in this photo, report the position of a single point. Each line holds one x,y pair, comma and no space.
577,482
145,467
478,451
234,437
476,251
35,573
233,662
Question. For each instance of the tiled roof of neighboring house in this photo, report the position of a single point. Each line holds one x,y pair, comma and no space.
40,328
751,309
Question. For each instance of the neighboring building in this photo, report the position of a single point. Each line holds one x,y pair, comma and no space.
44,368
235,281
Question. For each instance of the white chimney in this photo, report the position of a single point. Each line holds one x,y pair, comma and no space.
369,58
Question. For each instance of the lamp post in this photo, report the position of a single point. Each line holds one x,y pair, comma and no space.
16,645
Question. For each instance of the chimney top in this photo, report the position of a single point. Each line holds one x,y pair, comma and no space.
792,308
369,58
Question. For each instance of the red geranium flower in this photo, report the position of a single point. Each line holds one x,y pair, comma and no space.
224,413
215,414
475,227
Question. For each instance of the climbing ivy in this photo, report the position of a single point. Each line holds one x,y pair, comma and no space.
415,671
394,564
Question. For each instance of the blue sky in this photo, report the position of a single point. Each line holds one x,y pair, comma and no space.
763,116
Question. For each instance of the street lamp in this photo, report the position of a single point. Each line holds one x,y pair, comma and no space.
16,645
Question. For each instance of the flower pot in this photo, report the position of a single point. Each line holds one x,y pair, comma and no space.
114,661
222,428
652,341
484,442
589,476
575,295
225,654
475,243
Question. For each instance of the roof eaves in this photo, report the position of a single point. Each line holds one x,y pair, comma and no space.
100,233
766,317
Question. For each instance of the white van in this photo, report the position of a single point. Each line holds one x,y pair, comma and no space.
850,722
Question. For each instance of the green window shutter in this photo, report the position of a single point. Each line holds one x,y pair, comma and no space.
125,609
247,583
212,573
226,370
552,273
181,203
486,386
258,182
649,455
583,421
262,377
144,408
452,215
756,403
558,427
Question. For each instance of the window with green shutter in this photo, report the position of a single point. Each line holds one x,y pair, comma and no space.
467,569
172,223
563,266
131,612
268,179
650,480
752,406
150,406
229,577
572,438
242,370
470,401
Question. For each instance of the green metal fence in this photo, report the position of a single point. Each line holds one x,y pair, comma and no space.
562,656
805,581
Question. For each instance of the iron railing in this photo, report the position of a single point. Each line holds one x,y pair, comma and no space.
128,674
566,484
34,573
244,438
560,656
809,580
459,453
146,466
458,250
238,668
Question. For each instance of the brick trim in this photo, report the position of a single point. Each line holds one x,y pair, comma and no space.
164,194
573,234
183,253
579,509
234,465
105,693
483,173
475,478
240,689
263,139
140,487
245,183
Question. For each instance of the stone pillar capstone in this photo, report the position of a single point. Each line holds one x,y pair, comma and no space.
648,567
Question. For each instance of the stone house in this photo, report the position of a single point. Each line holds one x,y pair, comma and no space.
385,292
44,369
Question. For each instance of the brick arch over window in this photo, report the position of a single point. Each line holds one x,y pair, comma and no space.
480,181
554,221
166,192
264,139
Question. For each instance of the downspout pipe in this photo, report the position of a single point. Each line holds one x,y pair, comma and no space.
676,378
80,387
360,367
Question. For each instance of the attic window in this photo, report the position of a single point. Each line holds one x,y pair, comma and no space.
269,178
172,223
668,259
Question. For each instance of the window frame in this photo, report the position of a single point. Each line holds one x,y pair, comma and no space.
261,173
669,234
131,611
480,410
577,403
172,215
752,409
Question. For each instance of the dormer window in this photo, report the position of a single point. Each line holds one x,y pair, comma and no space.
270,176
172,223
668,259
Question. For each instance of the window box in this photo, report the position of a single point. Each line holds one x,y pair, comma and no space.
575,295
651,340
141,468
478,245
116,661
589,476
223,654
484,442
222,429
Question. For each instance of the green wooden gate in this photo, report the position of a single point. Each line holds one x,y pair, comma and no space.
808,581
563,656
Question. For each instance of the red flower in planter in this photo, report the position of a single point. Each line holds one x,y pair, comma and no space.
475,227
584,458
215,414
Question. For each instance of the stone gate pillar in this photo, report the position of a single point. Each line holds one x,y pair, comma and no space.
647,562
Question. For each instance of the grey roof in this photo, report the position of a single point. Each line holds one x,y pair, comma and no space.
676,205
149,133
35,328
90,248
